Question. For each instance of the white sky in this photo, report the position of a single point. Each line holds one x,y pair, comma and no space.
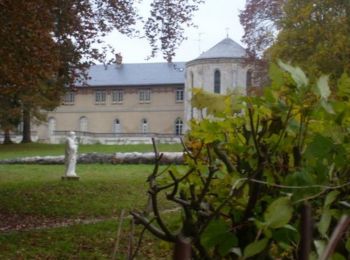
214,19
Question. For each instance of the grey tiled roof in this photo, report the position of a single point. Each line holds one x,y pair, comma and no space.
131,74
227,48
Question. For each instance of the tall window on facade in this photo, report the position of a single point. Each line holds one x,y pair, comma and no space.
249,79
191,79
83,124
117,96
52,126
145,95
100,97
69,98
217,82
144,126
178,126
117,126
192,84
179,95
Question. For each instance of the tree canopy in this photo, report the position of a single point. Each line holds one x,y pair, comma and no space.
313,34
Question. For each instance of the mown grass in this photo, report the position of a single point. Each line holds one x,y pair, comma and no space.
102,192
93,241
38,149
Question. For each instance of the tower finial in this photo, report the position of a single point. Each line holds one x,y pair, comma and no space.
199,40
227,32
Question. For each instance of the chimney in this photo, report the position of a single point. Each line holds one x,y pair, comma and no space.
119,59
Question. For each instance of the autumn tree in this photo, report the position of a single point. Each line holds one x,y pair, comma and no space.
27,55
165,27
260,20
315,35
312,34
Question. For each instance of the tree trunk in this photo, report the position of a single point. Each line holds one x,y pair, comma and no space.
7,137
26,137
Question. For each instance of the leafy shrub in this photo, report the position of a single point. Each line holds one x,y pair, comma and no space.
254,163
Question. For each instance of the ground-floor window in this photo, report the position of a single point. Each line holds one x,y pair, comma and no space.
144,126
117,126
83,124
178,126
52,126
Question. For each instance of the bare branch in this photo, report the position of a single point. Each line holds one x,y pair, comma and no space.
151,228
343,225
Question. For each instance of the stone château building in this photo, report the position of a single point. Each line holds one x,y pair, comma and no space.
129,102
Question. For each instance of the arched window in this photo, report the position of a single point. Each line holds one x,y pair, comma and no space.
178,126
144,126
217,82
117,126
83,124
249,79
191,79
52,126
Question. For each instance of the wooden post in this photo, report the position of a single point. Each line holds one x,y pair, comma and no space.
306,232
182,249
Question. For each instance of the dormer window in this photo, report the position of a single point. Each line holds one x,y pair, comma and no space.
217,82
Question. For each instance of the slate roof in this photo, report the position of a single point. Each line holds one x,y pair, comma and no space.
227,48
131,74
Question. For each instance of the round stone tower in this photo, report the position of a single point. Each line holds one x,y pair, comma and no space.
219,70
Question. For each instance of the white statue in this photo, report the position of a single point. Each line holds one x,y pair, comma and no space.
71,155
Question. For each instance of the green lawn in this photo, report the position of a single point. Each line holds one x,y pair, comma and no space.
103,190
94,241
37,192
38,149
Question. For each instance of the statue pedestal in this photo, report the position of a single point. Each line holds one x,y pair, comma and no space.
70,178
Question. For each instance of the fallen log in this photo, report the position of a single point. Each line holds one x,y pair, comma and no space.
116,158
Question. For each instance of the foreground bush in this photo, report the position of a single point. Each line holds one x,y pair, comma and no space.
261,170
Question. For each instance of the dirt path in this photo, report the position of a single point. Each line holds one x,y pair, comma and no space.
10,223
13,222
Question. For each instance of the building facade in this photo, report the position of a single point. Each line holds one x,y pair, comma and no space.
125,103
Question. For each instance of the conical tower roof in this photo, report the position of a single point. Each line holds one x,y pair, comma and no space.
227,48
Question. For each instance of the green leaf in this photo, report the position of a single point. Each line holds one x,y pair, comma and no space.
276,76
331,197
347,244
218,233
285,235
229,241
344,86
337,256
255,247
214,103
327,106
320,245
278,213
297,74
319,147
326,217
325,221
323,87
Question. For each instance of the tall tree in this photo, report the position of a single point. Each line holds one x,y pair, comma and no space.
313,34
260,20
165,27
27,54
10,114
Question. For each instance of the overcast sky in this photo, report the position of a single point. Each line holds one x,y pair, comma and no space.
214,19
